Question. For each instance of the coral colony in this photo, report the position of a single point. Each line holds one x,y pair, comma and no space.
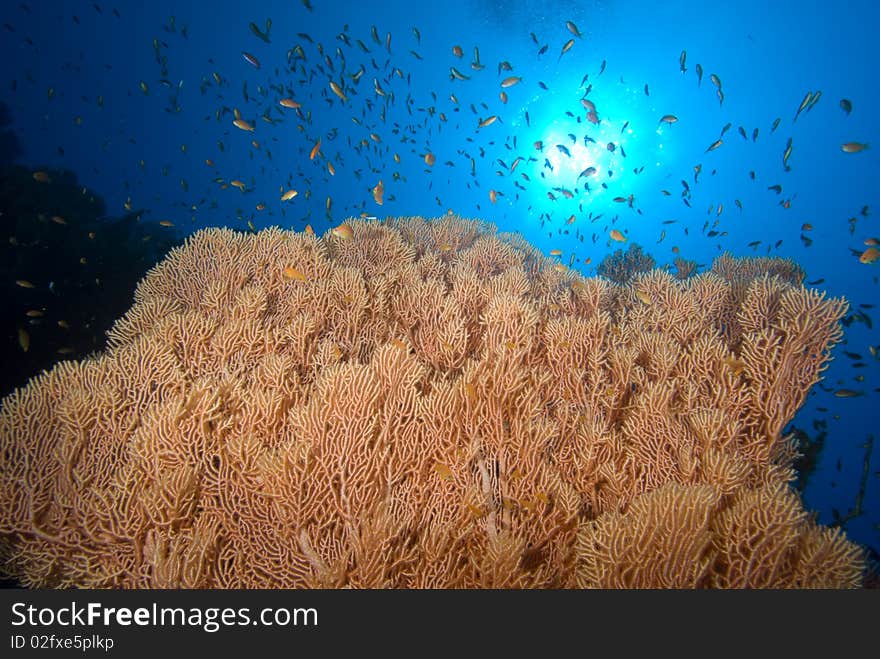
415,403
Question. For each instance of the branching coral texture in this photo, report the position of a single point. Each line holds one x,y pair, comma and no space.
428,405
622,266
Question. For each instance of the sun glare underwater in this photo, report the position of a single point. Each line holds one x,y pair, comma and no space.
684,129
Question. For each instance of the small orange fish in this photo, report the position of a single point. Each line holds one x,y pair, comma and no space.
243,125
869,256
63,324
430,159
847,393
735,365
24,283
24,339
57,219
510,82
315,149
250,59
41,177
338,91
331,169
288,195
668,119
166,223
34,313
488,121
343,231
616,235
443,471
292,273
457,51
493,196
309,230
566,47
289,103
379,193
853,147
555,252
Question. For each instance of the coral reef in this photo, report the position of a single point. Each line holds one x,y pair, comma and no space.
423,404
621,267
684,268
734,269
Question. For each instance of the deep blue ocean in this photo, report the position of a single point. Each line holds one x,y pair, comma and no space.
135,102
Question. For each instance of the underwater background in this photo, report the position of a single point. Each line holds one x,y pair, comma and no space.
688,128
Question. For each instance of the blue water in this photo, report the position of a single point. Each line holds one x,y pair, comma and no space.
148,148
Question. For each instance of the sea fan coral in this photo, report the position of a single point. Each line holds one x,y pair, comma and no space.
426,404
621,266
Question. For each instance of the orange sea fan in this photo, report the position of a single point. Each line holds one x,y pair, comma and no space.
424,403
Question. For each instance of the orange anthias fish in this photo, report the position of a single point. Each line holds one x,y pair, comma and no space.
443,471
616,235
292,273
24,340
379,193
343,231
243,125
338,91
869,256
315,149
289,103
488,121
430,159
288,195
853,147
